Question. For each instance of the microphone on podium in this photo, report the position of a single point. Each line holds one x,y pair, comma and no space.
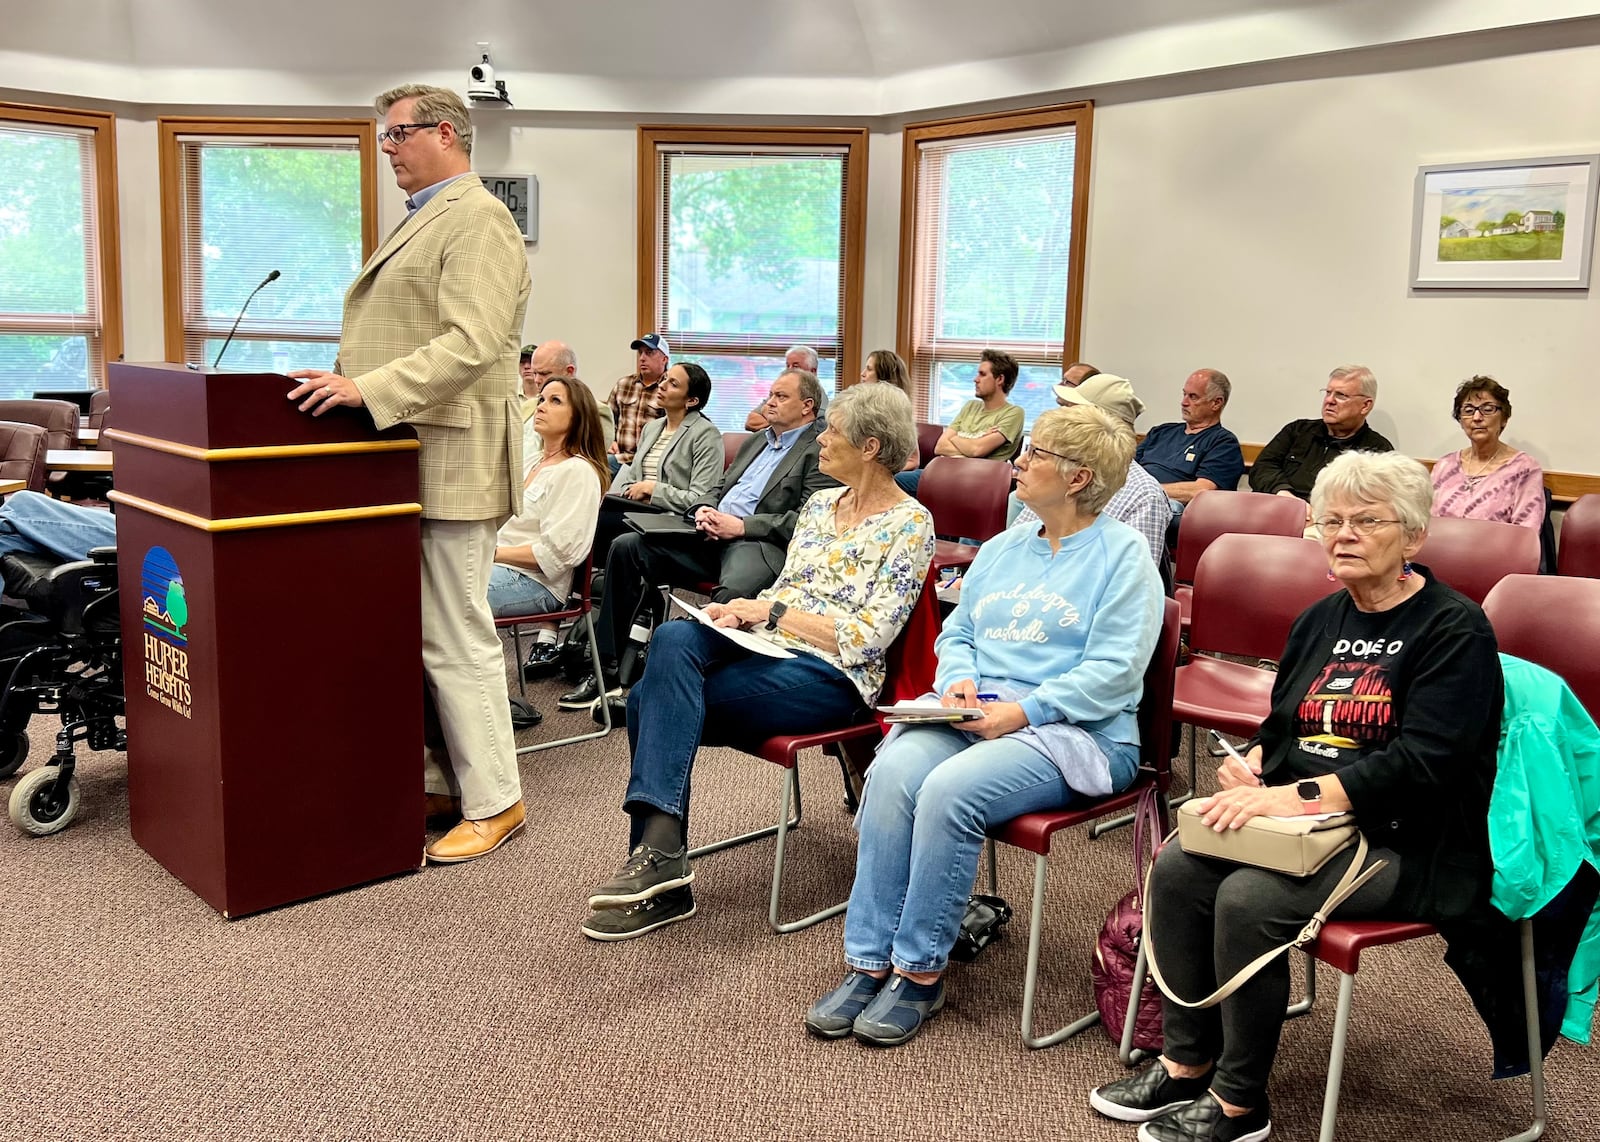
265,282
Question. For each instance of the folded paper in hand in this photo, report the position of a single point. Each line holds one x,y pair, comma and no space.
915,711
742,637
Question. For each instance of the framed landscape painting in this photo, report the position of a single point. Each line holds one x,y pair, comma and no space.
1505,224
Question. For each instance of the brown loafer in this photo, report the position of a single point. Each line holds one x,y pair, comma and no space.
472,839
436,805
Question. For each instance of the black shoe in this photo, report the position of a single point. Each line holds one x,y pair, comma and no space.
647,872
586,694
612,924
618,705
543,661
1203,1120
523,715
1151,1092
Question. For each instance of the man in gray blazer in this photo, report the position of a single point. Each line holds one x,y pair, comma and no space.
744,524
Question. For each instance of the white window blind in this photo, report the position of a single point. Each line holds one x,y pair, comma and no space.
751,260
52,304
992,262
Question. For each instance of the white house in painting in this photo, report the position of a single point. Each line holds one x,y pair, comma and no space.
1456,230
1535,220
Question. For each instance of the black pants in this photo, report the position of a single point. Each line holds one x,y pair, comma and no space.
741,568
1208,919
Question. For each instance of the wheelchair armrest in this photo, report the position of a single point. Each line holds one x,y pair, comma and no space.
103,554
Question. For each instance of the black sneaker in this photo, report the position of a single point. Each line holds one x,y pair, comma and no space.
1142,1096
1203,1120
544,660
618,705
586,694
612,924
645,873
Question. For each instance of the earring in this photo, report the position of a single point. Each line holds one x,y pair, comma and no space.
1405,572
1332,578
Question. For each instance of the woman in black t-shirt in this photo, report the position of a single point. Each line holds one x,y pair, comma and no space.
1387,702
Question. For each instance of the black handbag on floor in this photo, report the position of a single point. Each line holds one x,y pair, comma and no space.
980,926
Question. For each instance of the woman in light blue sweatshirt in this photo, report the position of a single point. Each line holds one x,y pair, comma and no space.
1055,628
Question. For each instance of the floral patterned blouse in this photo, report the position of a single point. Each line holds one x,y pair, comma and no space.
866,580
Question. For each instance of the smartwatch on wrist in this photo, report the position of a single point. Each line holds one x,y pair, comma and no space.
777,612
1310,796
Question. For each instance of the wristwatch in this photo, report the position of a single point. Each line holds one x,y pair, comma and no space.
1310,796
777,612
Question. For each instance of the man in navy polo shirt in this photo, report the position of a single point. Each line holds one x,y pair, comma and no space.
1195,454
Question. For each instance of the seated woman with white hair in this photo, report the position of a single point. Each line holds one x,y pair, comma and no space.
1050,642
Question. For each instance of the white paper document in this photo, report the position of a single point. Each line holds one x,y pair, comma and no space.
742,637
926,710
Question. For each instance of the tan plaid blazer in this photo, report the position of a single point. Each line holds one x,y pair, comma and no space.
432,328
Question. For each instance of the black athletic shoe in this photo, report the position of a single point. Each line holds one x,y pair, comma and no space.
1142,1096
1203,1120
544,660
612,924
586,694
645,873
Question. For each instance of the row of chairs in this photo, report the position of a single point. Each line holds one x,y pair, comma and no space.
31,428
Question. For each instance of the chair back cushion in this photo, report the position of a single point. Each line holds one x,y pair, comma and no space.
731,441
1554,622
966,496
1579,550
927,440
58,418
99,408
1155,707
22,449
1472,555
1249,589
1220,512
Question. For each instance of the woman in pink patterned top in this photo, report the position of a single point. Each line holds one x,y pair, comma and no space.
1487,479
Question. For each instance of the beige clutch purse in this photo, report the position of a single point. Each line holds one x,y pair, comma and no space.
1295,846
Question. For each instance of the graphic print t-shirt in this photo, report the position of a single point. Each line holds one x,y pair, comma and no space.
1348,710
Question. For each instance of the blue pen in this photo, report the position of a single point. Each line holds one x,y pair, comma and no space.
986,697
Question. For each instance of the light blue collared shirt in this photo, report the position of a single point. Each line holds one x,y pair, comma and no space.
420,199
741,499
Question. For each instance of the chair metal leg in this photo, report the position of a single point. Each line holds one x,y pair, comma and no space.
757,834
605,707
994,866
1308,1000
790,786
1126,1051
1530,1002
516,660
1030,981
1341,1031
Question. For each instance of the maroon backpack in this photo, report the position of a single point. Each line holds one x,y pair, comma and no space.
1117,947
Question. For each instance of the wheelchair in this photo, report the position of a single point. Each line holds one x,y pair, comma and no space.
63,656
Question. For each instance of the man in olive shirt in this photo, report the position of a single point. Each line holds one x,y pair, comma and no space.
989,426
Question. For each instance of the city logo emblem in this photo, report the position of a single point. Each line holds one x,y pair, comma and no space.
165,609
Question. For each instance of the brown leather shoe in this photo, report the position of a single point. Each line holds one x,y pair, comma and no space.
436,805
472,839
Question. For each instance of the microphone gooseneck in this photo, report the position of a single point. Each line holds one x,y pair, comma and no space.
265,282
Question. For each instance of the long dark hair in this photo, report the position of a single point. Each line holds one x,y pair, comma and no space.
586,435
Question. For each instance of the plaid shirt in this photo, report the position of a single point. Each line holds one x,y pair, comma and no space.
633,404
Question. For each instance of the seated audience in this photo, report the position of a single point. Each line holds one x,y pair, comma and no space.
1195,454
802,357
1487,479
1289,463
1051,640
554,359
888,367
857,562
1387,702
537,552
744,525
633,398
988,426
32,523
1139,502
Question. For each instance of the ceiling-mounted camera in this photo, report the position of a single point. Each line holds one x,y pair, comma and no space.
482,86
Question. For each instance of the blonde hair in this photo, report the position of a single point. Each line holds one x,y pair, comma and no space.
1090,436
434,105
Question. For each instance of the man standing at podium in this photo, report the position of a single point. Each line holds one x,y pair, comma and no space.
430,336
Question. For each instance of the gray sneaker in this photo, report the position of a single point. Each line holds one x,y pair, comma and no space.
646,872
898,1012
612,924
832,1016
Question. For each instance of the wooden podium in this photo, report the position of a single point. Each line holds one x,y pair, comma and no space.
270,567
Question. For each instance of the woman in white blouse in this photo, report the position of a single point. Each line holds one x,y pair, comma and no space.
536,552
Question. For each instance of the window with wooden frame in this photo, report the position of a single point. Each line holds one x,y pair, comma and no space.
993,216
60,282
243,197
751,241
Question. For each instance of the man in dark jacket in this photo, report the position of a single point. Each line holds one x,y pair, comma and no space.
1289,464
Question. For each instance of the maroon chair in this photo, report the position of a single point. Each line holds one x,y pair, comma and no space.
908,671
1248,591
1579,550
22,450
1472,555
1033,832
99,406
967,498
1221,512
731,442
927,440
581,609
59,419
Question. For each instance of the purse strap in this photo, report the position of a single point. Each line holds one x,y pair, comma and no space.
1146,830
1354,877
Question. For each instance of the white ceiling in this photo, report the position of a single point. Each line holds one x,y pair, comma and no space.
838,57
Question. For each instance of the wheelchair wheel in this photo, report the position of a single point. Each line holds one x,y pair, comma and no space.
37,809
13,752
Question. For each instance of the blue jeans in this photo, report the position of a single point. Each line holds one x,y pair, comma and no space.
701,689
931,796
32,522
513,593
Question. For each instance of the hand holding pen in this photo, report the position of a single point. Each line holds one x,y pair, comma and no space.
1235,770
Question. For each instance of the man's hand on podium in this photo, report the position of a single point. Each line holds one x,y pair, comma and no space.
323,390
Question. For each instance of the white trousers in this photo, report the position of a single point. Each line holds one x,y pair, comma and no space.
469,749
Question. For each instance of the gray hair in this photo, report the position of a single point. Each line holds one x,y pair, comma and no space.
809,358
563,359
434,105
1218,385
876,412
1092,438
810,389
1361,375
1377,478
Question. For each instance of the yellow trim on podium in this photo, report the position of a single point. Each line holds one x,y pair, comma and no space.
259,452
257,522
